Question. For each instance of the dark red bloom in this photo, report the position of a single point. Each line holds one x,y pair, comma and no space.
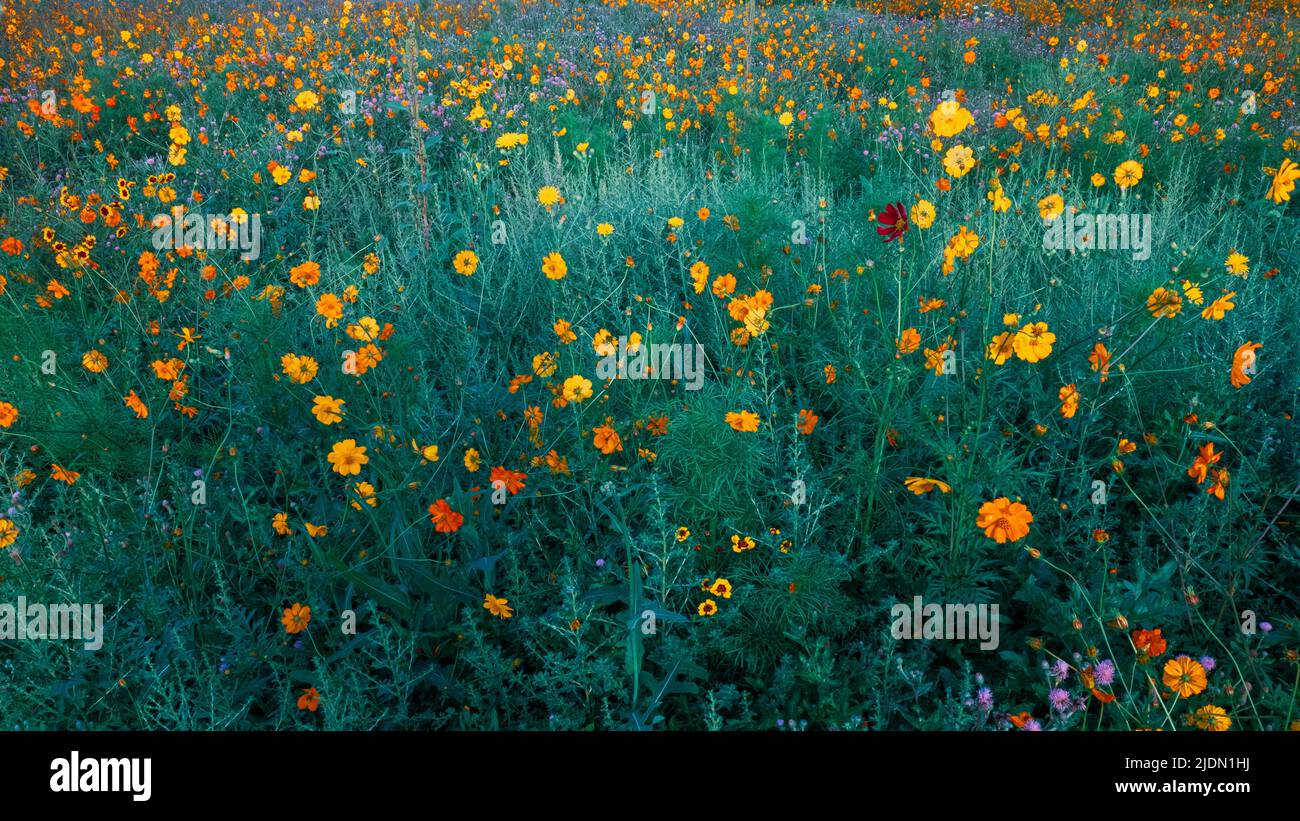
893,222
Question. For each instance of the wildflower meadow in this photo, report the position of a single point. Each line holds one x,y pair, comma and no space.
650,364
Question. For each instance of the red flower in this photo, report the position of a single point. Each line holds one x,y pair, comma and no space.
309,700
893,223
445,520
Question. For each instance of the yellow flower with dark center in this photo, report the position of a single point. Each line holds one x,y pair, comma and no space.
299,369
1185,676
497,607
1164,303
923,214
1128,174
544,364
94,361
1051,206
549,195
465,263
708,607
327,409
958,161
347,457
1033,342
1213,718
577,388
554,266
739,544
8,533
950,119
1001,348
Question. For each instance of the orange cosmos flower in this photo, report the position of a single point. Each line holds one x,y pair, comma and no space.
1219,307
347,457
465,263
1284,181
744,421
1099,359
497,607
554,266
1243,363
921,485
1004,520
1185,676
909,342
136,405
445,520
296,618
1149,644
62,474
1213,718
305,274
94,361
1033,342
606,439
309,700
1204,459
280,523
327,409
1069,396
1001,348
512,481
807,421
1219,485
